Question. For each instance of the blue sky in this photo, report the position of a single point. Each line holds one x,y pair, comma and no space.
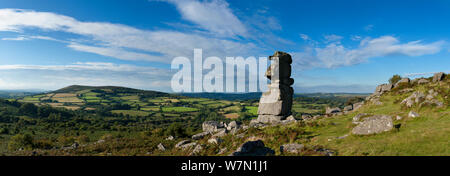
337,46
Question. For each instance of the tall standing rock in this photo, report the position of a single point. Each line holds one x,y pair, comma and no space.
276,104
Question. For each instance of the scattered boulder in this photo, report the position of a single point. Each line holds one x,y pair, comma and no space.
232,125
181,143
422,81
413,114
253,148
169,138
222,151
432,102
161,147
306,117
221,133
402,81
356,106
348,108
415,97
211,126
215,140
288,120
197,149
292,148
438,76
329,110
374,125
200,135
398,118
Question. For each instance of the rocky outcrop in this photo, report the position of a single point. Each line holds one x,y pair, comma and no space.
198,148
331,111
292,148
200,135
348,108
402,81
212,126
422,99
422,81
181,143
415,97
253,148
374,125
215,140
276,104
438,76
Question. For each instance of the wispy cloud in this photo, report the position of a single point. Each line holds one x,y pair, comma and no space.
335,54
106,35
214,16
369,27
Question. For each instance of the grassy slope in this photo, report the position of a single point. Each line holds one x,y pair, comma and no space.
426,135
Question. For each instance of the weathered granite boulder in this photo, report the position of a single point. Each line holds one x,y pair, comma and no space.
413,114
374,125
181,143
212,126
277,101
415,97
200,135
438,76
215,140
422,81
292,148
161,147
358,105
188,145
383,88
198,148
232,125
253,148
220,133
169,138
402,81
348,108
329,110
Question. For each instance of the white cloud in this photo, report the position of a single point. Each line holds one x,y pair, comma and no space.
305,37
335,54
332,38
18,38
214,16
107,36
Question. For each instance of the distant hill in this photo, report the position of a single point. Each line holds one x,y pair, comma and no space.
225,96
110,89
257,95
15,94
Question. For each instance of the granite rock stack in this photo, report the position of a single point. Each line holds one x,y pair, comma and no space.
276,104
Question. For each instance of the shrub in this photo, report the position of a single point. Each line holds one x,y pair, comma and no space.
18,141
395,79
